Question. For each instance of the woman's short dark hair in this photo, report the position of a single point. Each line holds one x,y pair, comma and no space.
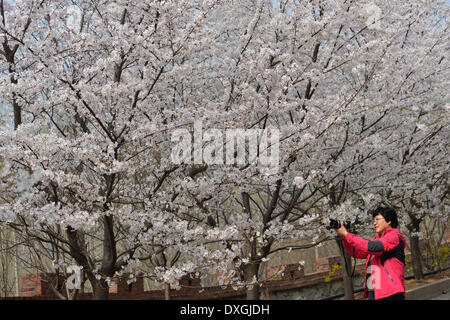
388,213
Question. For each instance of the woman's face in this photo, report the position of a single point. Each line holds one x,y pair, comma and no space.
380,224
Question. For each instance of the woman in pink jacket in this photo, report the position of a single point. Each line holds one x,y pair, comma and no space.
384,254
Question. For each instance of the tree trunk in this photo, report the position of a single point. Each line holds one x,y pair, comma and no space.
17,112
250,273
9,53
166,291
416,258
108,261
252,292
109,258
100,290
346,263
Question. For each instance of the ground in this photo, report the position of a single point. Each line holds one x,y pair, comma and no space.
413,283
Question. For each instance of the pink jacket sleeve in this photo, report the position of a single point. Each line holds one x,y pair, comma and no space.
352,251
374,247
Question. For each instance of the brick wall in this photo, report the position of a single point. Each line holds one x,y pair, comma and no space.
121,285
326,263
39,284
186,281
30,285
280,278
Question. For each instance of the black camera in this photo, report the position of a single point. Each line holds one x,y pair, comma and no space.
336,224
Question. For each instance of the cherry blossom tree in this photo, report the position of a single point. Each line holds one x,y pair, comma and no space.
330,89
96,79
335,86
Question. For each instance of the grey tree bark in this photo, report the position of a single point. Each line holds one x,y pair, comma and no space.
416,256
346,263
